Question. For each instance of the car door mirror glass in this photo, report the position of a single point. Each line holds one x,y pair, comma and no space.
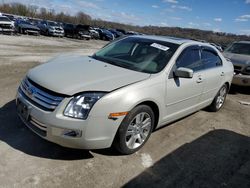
182,72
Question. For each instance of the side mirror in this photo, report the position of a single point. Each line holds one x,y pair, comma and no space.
184,72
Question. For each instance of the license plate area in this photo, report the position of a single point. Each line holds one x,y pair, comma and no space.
22,110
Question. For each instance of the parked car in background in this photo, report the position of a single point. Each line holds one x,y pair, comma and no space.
94,34
116,33
132,33
219,47
51,28
11,17
122,31
239,54
25,27
35,22
6,25
118,96
105,34
69,30
82,31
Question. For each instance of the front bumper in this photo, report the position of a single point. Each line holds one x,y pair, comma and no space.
32,32
7,30
95,133
241,80
56,33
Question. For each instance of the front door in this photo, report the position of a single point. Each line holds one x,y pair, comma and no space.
183,94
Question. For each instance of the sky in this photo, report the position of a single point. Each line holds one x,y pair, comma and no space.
230,16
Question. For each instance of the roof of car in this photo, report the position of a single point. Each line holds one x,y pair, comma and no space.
167,39
246,42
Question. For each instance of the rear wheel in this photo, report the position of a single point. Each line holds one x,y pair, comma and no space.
219,99
134,130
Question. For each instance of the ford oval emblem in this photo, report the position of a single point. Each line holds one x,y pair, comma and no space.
30,90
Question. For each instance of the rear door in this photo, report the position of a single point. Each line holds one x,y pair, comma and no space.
214,74
183,94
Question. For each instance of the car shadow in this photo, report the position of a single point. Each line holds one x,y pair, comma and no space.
239,89
220,158
14,133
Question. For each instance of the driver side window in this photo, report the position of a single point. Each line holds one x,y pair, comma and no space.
190,58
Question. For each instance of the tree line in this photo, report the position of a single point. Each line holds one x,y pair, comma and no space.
33,11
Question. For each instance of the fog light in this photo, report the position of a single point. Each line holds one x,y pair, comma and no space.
72,133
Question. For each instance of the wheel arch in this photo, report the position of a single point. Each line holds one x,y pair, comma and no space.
228,86
154,108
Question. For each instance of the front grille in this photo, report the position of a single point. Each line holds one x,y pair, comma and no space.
39,96
5,26
237,69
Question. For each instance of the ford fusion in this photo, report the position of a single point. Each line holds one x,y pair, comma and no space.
119,95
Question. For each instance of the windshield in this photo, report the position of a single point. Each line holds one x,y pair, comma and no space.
143,55
239,48
5,19
24,22
52,24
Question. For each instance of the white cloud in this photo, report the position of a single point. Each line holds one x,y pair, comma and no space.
218,19
247,1
217,30
155,6
164,24
245,32
246,16
207,24
243,18
193,25
181,7
171,1
175,18
86,4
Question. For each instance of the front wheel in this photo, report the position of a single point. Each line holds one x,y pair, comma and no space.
134,130
219,99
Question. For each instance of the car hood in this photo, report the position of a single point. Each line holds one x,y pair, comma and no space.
5,22
73,74
238,59
27,26
56,27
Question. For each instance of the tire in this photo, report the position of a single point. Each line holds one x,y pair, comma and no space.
47,33
134,130
219,99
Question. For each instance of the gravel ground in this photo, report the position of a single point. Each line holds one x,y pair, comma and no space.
202,150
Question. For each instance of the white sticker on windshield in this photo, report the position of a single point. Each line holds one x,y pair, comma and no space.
159,46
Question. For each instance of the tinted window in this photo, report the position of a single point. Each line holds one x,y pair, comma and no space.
239,48
210,58
190,58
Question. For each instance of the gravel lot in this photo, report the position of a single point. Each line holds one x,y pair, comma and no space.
202,150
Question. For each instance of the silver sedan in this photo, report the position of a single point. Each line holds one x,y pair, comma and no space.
119,95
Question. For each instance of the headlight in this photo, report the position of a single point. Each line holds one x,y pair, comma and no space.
80,106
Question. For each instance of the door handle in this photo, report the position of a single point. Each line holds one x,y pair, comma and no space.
199,80
222,74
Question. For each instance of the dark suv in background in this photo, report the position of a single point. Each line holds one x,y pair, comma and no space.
77,31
